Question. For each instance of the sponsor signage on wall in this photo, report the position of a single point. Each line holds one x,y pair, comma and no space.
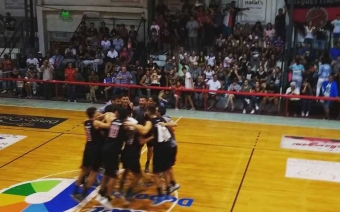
7,140
256,12
318,11
15,4
313,170
310,144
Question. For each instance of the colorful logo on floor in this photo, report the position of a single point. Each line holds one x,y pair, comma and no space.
53,195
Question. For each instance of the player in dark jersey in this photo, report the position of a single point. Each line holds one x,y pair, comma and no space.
91,157
110,152
173,145
127,104
161,150
153,101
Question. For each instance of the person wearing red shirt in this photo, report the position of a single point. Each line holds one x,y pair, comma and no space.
70,75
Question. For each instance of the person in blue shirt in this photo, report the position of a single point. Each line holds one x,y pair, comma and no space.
108,80
329,89
298,69
325,70
335,51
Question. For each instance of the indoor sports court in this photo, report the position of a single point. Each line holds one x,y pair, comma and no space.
222,165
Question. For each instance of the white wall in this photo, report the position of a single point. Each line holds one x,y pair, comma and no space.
107,3
20,12
49,21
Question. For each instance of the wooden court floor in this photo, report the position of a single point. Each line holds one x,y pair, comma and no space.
222,166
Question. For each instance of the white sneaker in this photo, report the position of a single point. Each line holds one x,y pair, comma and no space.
248,101
75,101
99,198
302,114
256,107
175,188
244,111
68,100
307,114
106,203
4,91
252,111
176,108
192,108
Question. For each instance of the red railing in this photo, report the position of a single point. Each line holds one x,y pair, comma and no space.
129,86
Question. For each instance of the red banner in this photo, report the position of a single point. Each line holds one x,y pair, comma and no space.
318,15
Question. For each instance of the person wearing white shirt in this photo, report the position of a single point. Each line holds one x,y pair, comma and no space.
105,44
213,85
336,30
189,84
111,56
155,26
210,60
228,61
32,61
293,105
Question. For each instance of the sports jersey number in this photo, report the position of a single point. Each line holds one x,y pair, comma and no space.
88,135
114,129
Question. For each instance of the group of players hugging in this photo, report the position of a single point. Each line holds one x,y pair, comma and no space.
116,133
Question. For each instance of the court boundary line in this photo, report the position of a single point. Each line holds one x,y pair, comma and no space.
35,148
245,173
209,119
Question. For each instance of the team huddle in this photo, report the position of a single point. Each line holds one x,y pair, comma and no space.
117,133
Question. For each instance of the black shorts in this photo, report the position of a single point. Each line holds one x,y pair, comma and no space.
92,158
161,159
111,160
131,162
172,155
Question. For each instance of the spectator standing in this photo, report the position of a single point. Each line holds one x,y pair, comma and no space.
320,38
7,67
10,23
192,27
336,30
47,75
270,32
309,31
325,70
32,61
298,69
199,96
70,74
103,30
280,23
293,103
124,77
57,62
234,12
329,89
189,84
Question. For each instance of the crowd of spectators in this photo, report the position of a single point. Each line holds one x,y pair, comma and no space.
205,48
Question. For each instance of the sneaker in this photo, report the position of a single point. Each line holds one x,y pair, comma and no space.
75,101
99,198
175,188
176,108
192,109
252,111
106,202
160,200
232,109
77,197
68,100
307,114
302,114
4,91
257,107
147,167
244,111
248,101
